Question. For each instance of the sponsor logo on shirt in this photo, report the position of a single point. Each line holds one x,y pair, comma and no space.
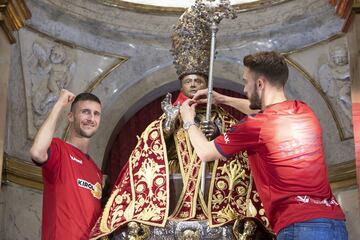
75,159
226,138
95,189
326,202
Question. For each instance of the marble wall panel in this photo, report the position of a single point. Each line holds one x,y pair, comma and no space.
22,213
2,209
349,201
17,143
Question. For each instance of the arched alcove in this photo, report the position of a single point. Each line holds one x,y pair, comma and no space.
132,124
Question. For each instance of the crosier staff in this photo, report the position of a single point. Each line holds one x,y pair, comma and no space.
214,28
215,15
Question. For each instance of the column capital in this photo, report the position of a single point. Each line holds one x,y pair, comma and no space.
13,14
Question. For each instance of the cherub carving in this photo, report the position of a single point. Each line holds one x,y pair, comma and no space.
334,77
51,69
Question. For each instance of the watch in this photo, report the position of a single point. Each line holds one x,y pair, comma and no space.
187,125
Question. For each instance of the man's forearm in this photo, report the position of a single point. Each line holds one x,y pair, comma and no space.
205,150
44,136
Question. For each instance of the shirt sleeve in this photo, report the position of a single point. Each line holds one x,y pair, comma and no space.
52,165
243,136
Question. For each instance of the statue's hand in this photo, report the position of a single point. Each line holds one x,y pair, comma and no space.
210,129
171,113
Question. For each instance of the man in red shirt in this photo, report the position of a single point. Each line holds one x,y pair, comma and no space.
284,145
72,181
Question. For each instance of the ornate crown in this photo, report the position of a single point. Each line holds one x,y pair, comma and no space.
191,42
191,38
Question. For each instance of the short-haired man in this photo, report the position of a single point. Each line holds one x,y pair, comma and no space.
284,145
72,181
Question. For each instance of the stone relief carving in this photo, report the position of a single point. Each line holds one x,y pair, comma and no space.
51,68
334,79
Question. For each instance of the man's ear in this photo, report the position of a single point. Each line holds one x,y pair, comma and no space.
70,117
260,83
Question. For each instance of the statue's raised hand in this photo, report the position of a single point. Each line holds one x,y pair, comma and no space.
171,113
209,129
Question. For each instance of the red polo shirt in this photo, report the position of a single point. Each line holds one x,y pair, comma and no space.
284,145
72,192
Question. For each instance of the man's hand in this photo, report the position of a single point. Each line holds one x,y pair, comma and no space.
171,113
65,98
187,110
201,97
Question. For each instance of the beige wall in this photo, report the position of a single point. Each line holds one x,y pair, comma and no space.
5,52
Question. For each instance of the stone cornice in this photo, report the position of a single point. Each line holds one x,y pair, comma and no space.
13,14
152,9
22,172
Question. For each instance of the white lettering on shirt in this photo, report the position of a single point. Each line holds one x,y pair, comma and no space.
326,202
226,138
95,189
75,159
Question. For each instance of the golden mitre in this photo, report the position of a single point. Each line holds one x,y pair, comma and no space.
191,42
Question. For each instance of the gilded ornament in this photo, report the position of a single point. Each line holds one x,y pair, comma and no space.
162,197
159,181
154,135
221,185
251,210
241,191
118,199
137,231
140,188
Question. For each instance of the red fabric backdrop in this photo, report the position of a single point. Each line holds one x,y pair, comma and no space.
126,139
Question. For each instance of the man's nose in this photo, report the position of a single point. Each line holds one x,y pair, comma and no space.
91,117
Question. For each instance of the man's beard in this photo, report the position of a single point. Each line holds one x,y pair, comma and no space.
255,102
85,134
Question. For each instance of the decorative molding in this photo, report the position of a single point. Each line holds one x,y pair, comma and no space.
13,14
356,5
342,175
151,9
75,46
331,38
24,173
322,94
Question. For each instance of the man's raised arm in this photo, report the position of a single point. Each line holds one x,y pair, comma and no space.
239,104
46,132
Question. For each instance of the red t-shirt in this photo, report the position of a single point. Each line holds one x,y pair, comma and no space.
72,192
284,145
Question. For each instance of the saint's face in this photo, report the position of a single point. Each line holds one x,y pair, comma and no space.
86,118
190,84
251,89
